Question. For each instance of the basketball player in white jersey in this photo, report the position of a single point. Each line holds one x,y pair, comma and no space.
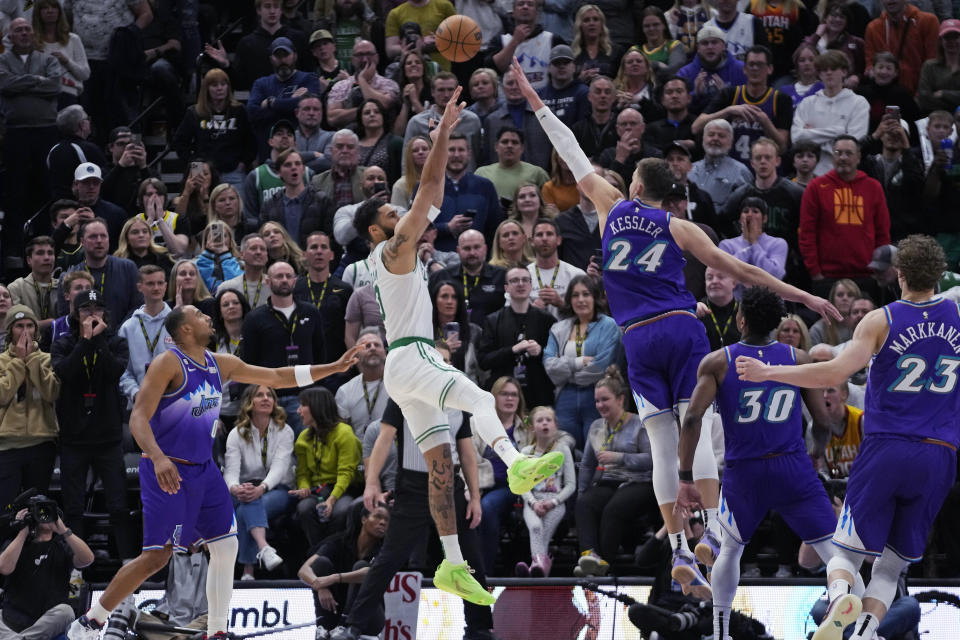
416,376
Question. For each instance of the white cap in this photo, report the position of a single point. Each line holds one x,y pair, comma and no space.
86,171
709,32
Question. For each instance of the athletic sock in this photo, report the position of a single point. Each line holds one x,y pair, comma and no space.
721,622
677,541
451,548
838,588
505,449
711,521
865,627
98,613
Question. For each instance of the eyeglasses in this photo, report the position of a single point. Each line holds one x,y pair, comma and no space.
509,394
519,281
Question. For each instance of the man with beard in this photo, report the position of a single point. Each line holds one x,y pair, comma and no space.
253,49
442,87
678,123
264,181
482,282
312,141
276,96
699,205
630,147
114,278
328,293
87,181
362,400
528,43
718,173
549,274
515,112
284,333
345,98
563,93
712,69
509,172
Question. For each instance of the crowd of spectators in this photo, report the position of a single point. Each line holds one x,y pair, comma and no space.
805,138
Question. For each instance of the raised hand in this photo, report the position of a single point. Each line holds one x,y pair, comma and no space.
451,113
525,88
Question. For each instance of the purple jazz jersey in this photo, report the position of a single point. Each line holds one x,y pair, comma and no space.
183,426
766,464
910,426
185,419
787,484
643,278
759,418
642,264
202,511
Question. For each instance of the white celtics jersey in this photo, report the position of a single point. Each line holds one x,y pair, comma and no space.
404,300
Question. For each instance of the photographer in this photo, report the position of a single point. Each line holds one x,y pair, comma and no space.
37,563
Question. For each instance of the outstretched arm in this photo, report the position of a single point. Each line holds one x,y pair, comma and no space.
400,253
711,370
867,339
601,193
691,238
235,369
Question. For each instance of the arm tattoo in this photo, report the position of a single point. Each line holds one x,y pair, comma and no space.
441,493
391,252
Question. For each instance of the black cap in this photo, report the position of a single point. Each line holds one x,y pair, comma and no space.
88,297
119,132
282,124
676,146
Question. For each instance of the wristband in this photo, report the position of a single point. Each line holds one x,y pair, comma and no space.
433,213
67,533
302,373
685,476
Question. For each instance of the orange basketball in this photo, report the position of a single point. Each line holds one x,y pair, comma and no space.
458,38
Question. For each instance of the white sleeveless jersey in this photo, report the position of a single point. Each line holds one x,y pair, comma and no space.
404,300
533,56
739,36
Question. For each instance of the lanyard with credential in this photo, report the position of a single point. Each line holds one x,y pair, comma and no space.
89,367
323,292
293,323
151,344
579,339
103,277
726,325
247,295
468,289
366,398
553,280
43,297
263,449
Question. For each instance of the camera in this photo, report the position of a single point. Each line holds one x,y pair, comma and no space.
40,510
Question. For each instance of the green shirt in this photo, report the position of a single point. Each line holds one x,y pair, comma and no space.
507,180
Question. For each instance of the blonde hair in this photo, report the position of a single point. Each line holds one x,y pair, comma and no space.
497,258
214,194
830,335
801,325
411,175
200,291
123,245
604,43
492,76
620,82
245,415
292,253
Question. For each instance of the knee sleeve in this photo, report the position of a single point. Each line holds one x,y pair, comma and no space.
664,438
704,461
726,572
223,556
883,579
844,560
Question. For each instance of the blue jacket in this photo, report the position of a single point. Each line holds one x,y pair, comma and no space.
730,71
206,262
569,104
471,193
262,118
603,342
120,289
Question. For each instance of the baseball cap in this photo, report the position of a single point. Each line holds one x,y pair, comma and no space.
19,312
561,52
281,43
676,146
86,171
88,297
949,26
119,132
883,257
320,34
282,124
709,32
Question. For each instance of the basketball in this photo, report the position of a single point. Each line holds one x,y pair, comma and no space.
458,38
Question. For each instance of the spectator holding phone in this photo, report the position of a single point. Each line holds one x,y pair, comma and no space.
126,168
378,146
193,203
66,216
218,261
452,325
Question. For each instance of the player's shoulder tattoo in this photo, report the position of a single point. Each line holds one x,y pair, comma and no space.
391,250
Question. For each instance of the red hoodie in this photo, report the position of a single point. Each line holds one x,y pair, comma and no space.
841,223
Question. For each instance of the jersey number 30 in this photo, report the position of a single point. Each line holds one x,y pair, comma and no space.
777,408
649,260
911,378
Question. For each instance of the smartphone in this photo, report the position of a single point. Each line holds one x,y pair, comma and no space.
196,168
598,256
892,111
137,139
470,213
379,187
450,327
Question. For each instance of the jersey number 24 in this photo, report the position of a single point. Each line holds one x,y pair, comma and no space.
648,260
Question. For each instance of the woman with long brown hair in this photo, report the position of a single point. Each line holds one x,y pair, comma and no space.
414,157
52,31
216,127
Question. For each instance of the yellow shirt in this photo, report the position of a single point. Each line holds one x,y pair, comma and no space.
841,450
428,17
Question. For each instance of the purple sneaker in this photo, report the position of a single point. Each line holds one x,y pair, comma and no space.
686,572
707,549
